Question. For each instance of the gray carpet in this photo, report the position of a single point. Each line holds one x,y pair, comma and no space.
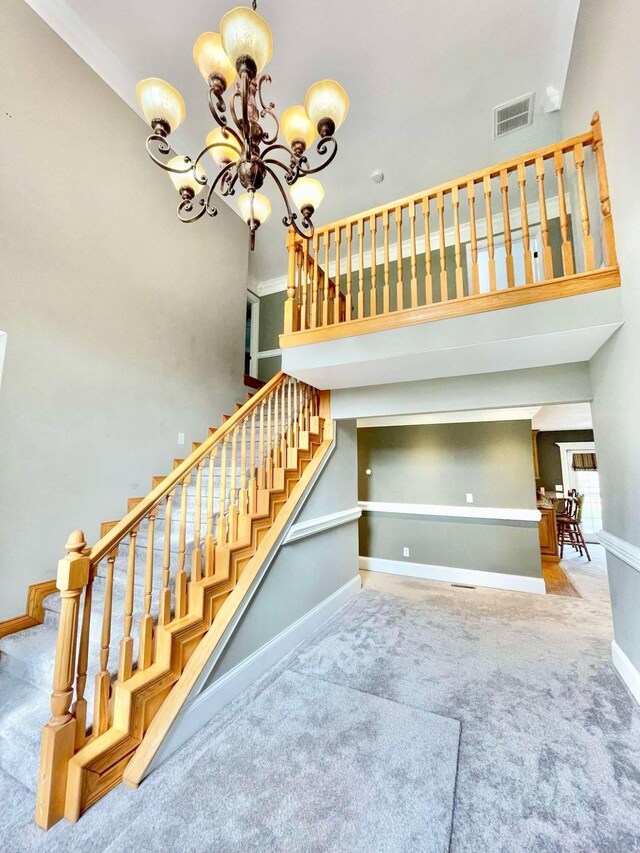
549,754
306,766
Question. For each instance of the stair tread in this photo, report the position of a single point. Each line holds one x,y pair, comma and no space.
24,709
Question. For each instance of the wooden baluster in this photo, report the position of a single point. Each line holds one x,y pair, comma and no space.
587,239
444,286
349,305
493,285
252,495
361,269
125,665
146,622
269,458
243,494
336,277
428,279
399,282
209,539
326,296
165,594
524,216
373,308
58,736
455,201
181,575
283,423
475,272
567,251
261,471
103,678
608,239
221,526
414,263
290,413
386,301
275,454
547,258
232,513
197,559
304,273
291,314
508,242
79,708
314,300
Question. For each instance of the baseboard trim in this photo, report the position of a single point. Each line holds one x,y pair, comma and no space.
620,548
448,574
323,522
626,670
207,704
442,511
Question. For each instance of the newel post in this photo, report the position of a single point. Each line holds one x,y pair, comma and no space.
291,308
58,736
603,191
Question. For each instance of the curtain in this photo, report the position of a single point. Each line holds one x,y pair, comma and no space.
584,462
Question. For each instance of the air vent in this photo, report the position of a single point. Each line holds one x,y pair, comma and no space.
513,116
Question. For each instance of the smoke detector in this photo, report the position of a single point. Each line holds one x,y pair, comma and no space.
377,177
513,115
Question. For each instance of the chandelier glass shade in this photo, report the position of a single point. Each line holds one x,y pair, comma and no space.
244,152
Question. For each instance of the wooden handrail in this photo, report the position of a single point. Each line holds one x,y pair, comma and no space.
110,540
477,177
480,249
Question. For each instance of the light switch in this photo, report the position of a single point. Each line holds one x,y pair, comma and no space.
559,489
469,498
405,552
180,438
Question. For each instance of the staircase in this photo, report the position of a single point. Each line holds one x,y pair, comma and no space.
161,583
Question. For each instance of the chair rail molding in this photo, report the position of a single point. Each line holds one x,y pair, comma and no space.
323,522
620,548
441,511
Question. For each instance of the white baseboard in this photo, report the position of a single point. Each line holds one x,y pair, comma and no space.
207,704
627,671
473,577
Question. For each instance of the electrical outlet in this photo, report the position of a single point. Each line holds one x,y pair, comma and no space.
559,489
405,552
469,498
180,438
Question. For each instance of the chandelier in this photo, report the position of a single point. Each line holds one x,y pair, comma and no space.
245,153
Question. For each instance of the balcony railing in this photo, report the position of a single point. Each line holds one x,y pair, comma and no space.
533,228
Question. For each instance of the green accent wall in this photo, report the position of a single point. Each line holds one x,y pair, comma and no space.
549,464
440,464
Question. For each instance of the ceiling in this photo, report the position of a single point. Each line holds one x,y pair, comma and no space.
423,78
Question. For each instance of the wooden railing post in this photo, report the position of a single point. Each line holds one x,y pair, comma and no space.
59,734
611,258
291,309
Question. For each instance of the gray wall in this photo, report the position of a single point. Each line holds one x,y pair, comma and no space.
439,464
116,337
562,383
305,572
549,463
604,75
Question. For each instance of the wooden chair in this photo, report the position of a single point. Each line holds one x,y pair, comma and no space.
569,530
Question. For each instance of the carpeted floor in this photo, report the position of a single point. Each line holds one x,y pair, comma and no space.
350,743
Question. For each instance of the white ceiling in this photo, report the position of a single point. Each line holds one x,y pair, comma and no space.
423,78
568,416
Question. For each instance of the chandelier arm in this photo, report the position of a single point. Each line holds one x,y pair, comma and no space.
209,147
268,110
291,218
186,206
321,149
165,148
227,187
219,105
213,211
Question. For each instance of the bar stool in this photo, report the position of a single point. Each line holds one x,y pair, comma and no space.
569,530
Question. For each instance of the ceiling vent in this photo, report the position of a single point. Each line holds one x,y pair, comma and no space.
513,116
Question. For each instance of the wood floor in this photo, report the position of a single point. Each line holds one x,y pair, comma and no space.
555,580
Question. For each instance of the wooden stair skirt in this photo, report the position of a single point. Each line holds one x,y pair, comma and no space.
278,438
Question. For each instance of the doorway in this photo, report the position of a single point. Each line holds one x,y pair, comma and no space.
251,337
580,472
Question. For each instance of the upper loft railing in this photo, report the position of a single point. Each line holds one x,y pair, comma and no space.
533,228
